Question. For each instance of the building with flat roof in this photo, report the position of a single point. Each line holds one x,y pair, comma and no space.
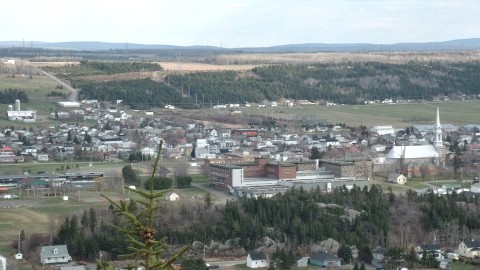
264,178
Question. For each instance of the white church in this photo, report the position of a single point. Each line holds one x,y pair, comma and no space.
429,153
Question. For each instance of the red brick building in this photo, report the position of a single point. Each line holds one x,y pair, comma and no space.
248,132
229,174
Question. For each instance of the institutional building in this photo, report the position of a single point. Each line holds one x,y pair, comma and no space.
262,177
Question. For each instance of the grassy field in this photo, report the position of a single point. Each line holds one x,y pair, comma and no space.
462,266
398,115
34,168
38,86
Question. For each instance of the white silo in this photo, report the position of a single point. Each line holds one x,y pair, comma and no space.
17,104
10,108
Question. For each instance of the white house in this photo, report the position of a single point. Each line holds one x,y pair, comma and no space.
383,130
54,254
469,248
69,104
172,196
397,178
302,262
257,260
475,188
3,263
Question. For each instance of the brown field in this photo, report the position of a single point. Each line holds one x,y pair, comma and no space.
52,64
191,66
342,57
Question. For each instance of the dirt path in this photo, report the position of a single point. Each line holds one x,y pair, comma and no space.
73,92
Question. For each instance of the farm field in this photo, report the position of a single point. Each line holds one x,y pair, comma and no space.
398,115
192,66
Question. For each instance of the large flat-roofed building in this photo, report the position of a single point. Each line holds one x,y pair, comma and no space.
229,176
361,168
264,178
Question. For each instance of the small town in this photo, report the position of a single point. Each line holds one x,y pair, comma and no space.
233,135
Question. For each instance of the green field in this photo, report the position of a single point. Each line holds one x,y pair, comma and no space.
462,266
398,115
38,86
34,168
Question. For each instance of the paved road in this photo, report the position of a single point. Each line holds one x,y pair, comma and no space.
73,92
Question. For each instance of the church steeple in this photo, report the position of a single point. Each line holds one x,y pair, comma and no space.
438,141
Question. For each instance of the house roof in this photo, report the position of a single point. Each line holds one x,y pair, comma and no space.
430,247
322,256
472,243
255,256
380,251
391,175
54,251
413,151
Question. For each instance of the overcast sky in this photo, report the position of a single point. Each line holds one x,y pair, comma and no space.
240,23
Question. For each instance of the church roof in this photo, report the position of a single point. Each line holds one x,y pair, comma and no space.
413,151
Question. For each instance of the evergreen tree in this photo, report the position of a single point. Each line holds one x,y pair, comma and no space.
139,228
92,219
130,175
315,153
207,198
345,253
194,264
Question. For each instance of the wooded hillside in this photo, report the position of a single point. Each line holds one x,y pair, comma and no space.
346,83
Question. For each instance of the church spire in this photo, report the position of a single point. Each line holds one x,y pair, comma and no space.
438,141
438,118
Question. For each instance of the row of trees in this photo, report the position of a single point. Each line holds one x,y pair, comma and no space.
160,182
8,96
87,68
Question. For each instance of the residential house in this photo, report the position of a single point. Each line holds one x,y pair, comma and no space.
475,188
434,248
302,262
3,263
397,178
378,255
54,254
323,259
172,196
469,248
257,260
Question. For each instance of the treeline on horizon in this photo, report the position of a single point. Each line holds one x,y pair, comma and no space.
297,218
346,83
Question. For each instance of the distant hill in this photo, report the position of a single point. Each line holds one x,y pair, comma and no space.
452,45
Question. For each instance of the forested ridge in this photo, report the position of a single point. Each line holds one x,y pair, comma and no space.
297,218
347,83
85,68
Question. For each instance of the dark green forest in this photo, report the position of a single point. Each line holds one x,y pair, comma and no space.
346,83
297,218
8,96
138,94
86,68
